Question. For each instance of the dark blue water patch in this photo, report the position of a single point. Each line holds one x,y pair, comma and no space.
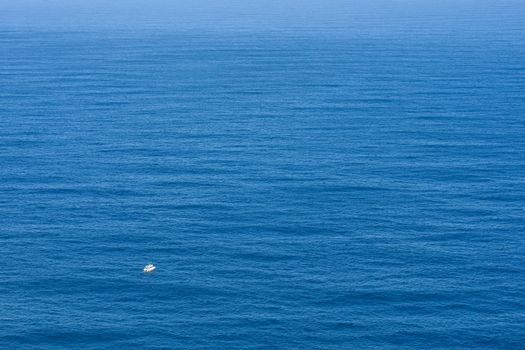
359,187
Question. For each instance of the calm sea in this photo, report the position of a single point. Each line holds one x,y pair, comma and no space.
342,180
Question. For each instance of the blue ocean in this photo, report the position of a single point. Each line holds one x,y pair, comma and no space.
304,175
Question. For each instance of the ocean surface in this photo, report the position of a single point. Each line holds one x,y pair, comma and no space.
354,181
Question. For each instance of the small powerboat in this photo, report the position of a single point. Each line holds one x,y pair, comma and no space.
149,268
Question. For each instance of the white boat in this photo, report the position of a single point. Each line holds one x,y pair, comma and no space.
149,268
